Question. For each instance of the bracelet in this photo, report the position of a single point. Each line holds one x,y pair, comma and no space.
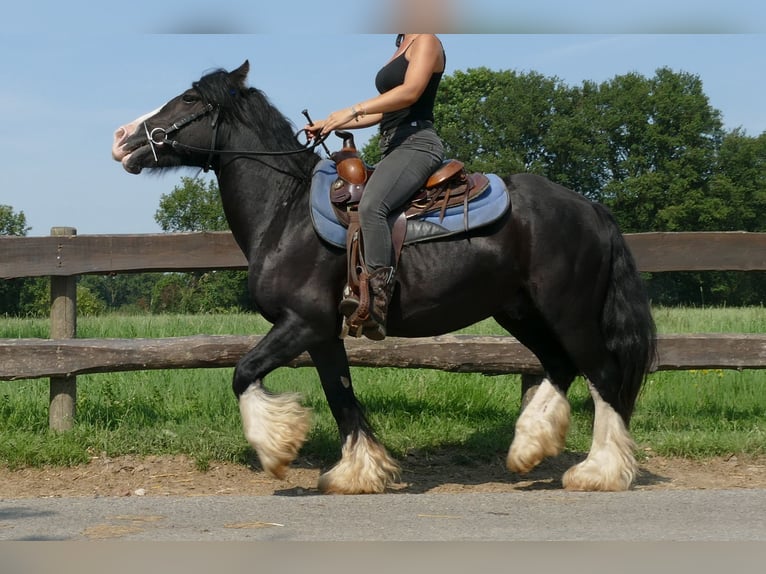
358,112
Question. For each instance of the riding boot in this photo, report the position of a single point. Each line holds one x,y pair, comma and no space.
381,288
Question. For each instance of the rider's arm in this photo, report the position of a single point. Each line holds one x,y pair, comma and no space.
424,59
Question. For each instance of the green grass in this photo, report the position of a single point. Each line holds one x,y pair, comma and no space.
193,411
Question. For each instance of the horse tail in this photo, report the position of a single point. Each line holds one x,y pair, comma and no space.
626,321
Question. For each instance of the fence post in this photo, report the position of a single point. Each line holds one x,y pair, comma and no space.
63,390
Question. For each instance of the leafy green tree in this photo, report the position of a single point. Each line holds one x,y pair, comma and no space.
15,224
737,200
192,206
169,293
88,302
668,169
739,183
497,121
195,205
34,297
126,292
12,223
663,138
370,152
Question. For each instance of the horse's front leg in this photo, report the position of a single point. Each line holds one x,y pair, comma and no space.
275,425
365,467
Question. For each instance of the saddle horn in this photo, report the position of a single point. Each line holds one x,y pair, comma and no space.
348,139
350,166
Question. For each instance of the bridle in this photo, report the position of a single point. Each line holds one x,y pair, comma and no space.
161,136
158,137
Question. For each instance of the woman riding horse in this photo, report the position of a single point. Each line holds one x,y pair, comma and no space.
553,270
411,151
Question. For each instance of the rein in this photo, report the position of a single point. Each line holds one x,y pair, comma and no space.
158,137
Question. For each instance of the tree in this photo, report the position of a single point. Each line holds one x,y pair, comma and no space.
663,138
192,206
126,292
196,206
575,145
12,223
11,290
497,121
674,169
739,182
736,200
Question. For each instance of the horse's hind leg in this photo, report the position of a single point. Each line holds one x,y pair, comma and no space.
611,464
365,466
543,424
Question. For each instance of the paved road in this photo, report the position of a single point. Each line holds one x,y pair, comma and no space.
648,516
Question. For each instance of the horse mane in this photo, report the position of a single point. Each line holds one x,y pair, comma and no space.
270,129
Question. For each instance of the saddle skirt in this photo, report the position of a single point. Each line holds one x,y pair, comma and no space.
484,209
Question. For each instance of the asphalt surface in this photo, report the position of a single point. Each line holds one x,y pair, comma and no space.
635,516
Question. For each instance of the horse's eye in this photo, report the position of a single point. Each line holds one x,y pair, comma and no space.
189,98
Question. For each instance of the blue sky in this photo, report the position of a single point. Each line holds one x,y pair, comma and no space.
67,81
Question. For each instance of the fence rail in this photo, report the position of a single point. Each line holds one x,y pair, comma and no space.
65,255
490,355
68,255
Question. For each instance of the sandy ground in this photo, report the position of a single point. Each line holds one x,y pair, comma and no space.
166,475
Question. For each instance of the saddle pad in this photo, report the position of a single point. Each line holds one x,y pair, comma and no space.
486,208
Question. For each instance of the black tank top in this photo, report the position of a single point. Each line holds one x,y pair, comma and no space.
392,75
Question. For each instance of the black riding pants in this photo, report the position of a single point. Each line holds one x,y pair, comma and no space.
411,153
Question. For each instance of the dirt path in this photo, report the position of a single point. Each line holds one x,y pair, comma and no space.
164,476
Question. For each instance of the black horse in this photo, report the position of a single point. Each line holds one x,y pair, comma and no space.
554,271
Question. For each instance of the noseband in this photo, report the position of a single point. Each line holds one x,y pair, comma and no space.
158,137
161,136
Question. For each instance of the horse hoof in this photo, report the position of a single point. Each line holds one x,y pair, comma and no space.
275,426
522,463
364,468
600,474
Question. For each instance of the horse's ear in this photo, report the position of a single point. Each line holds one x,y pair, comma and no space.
240,74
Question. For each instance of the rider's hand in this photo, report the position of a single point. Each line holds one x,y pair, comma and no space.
314,130
339,119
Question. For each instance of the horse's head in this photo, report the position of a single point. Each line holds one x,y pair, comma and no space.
183,131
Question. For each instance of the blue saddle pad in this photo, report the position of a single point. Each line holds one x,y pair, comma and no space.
484,209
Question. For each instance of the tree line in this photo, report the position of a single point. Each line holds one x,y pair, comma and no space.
652,149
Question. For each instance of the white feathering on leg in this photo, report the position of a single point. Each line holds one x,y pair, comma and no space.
364,468
541,429
275,426
611,464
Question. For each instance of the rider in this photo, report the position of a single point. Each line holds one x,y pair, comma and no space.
411,151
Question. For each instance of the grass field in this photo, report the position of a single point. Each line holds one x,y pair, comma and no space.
193,412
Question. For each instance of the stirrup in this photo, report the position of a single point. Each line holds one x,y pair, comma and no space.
349,303
347,330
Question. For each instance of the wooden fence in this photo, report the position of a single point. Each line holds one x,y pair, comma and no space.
65,255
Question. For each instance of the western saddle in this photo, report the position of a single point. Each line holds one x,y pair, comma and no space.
448,186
